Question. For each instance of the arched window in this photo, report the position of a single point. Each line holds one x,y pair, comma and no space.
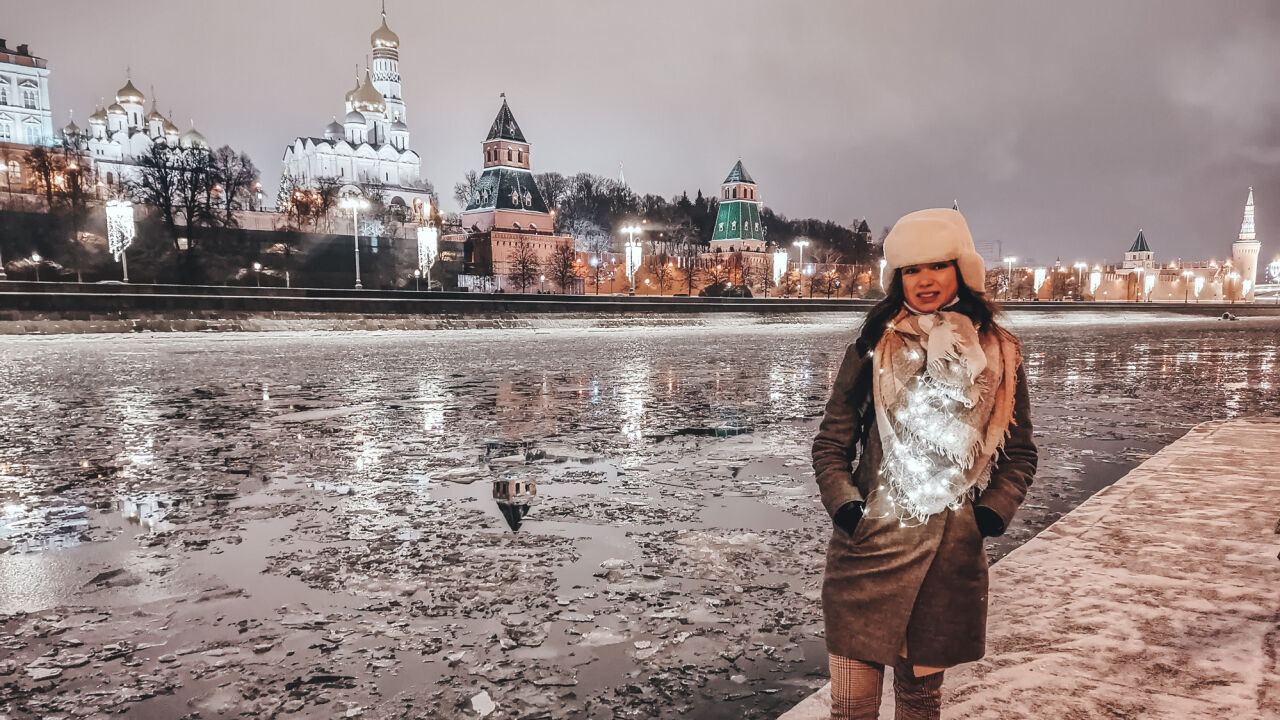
515,225
6,131
111,179
533,227
508,154
735,193
519,156
4,93
29,98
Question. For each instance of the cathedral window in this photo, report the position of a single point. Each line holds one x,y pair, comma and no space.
735,193
4,93
29,98
33,134
6,131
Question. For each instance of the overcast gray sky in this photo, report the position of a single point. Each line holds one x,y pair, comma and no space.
1062,128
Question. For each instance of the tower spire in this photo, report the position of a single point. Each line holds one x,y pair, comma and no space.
384,9
1246,226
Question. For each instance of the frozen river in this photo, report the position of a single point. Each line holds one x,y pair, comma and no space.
315,525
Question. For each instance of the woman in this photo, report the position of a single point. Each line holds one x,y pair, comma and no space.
931,403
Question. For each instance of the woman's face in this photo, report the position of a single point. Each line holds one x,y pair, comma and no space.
929,286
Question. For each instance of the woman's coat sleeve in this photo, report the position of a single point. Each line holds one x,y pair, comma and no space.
835,447
1016,464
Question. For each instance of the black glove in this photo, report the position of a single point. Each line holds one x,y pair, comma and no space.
989,522
848,516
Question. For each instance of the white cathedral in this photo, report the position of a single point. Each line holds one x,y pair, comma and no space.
119,134
368,152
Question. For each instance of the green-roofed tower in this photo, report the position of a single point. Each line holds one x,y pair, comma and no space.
738,226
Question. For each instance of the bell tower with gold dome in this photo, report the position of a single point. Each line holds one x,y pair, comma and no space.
386,69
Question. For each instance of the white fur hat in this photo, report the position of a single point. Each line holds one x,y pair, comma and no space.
935,235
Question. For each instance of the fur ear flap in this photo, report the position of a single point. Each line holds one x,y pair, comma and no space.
973,272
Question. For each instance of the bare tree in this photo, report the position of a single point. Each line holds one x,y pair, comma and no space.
563,267
524,264
663,269
554,188
43,165
157,183
195,188
235,174
464,191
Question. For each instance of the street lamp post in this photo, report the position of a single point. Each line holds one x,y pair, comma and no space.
1080,268
1186,285
257,273
355,204
1008,291
35,259
802,244
634,252
417,275
595,273
542,282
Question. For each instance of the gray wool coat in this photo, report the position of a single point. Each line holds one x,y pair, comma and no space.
924,588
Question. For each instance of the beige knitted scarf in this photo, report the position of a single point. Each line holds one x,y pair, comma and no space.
944,403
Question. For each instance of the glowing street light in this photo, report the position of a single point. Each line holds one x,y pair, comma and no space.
35,259
417,275
428,246
634,252
1008,291
257,273
120,231
355,204
779,266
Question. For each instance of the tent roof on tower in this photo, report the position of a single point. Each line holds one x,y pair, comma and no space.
383,37
505,127
739,174
367,98
1140,244
863,227
129,93
504,188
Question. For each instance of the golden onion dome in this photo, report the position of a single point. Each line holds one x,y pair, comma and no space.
98,117
193,138
170,128
367,98
116,109
155,114
129,93
383,37
71,129
351,94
